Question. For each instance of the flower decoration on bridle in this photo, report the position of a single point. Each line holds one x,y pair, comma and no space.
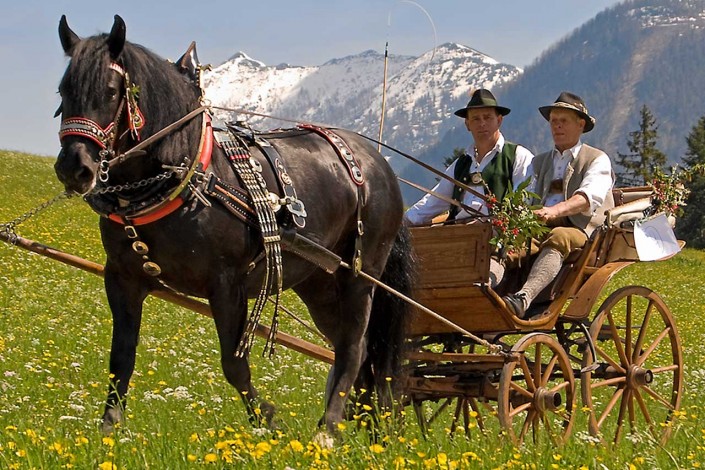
135,119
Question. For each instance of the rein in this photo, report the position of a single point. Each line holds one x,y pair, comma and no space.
441,174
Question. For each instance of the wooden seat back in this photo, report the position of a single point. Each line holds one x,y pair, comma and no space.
454,263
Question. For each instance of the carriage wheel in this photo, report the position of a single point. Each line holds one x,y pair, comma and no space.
467,413
639,375
537,390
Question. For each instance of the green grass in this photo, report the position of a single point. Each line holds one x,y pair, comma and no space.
54,342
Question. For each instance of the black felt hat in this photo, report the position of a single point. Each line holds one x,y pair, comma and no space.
567,100
482,99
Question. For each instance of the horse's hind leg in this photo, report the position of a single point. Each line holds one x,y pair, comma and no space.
230,315
340,307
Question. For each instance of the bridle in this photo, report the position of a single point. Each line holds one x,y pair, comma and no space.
108,140
106,137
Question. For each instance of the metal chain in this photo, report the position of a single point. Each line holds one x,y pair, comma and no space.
136,185
7,230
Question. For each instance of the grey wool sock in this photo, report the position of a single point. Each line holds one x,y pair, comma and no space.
544,270
496,272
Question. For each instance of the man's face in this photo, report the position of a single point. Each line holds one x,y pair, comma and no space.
483,124
566,128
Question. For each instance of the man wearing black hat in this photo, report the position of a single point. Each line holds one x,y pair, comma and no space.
489,162
574,181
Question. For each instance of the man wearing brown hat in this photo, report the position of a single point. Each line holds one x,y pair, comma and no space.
490,162
574,181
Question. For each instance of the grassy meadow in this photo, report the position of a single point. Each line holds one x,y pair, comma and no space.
55,331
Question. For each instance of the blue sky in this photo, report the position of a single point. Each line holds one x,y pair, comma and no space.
302,32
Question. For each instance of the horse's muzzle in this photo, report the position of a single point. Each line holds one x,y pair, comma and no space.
76,168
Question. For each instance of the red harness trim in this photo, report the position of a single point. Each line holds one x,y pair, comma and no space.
173,202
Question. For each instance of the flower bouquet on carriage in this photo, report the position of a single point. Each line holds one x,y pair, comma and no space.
514,222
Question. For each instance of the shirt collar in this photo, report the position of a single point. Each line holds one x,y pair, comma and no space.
496,149
574,150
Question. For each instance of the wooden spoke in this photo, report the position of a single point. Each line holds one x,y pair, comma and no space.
617,340
521,408
644,328
640,360
522,390
560,386
601,352
549,370
643,408
527,373
617,395
628,332
612,381
658,398
623,404
525,427
537,365
658,370
440,410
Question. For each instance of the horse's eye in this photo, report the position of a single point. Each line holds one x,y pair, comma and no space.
111,93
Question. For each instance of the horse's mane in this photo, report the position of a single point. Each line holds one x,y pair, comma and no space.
165,95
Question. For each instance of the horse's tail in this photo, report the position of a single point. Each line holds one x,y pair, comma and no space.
390,314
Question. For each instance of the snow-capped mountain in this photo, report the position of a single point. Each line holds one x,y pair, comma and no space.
422,92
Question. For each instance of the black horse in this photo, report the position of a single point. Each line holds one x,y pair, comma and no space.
160,230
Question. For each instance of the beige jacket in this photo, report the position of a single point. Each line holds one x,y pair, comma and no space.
574,175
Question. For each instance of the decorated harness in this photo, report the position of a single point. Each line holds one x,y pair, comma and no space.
147,201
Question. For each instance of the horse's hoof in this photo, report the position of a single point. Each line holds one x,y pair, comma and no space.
111,417
324,440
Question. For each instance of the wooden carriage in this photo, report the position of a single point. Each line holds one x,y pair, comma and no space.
626,358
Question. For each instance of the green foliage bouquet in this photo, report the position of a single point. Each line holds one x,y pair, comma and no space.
513,219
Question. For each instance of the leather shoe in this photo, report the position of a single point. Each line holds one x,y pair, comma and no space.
515,303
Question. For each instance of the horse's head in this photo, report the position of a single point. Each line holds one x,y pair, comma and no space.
93,104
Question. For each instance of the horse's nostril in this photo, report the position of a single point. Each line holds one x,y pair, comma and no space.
84,174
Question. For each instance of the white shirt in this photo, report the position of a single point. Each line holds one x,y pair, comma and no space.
430,206
597,182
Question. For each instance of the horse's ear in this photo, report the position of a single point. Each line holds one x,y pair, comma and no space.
68,38
116,39
188,63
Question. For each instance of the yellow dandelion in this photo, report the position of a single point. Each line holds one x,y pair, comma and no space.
109,441
296,446
194,438
210,458
376,448
341,426
107,466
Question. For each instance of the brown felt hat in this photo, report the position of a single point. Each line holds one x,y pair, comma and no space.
482,98
567,100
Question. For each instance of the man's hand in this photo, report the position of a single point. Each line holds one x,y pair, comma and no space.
546,213
577,204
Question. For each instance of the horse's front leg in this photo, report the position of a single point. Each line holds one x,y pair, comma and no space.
125,299
229,307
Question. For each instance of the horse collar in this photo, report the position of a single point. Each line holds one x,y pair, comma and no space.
183,192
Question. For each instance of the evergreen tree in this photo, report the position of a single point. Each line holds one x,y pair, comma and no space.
457,153
691,226
644,158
